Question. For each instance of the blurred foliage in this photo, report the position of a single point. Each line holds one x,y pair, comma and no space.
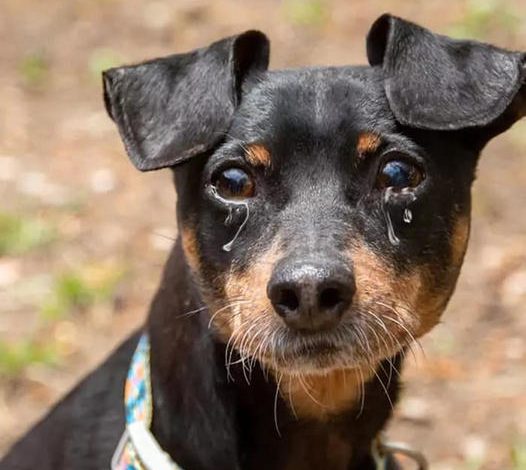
444,343
72,291
34,69
518,456
79,290
102,59
473,464
484,16
517,134
19,235
306,12
16,357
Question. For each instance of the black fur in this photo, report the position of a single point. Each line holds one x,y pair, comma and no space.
171,109
434,82
434,101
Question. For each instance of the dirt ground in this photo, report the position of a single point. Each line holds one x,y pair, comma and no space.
83,236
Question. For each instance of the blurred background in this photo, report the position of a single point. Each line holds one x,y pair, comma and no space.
83,236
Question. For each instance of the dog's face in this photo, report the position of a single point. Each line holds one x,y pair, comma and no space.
323,212
323,235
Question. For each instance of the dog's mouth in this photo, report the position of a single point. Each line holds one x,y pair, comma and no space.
321,353
358,343
319,349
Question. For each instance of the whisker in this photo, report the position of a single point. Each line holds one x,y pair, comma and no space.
278,384
306,389
362,393
226,307
371,367
401,325
395,343
387,349
384,388
191,312
163,235
291,401
245,351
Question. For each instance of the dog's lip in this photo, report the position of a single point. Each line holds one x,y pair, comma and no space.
316,350
321,347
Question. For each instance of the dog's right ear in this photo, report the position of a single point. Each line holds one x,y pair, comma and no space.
171,109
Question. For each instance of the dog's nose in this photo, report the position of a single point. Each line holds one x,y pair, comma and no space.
311,296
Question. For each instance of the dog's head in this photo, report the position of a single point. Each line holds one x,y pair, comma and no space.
324,212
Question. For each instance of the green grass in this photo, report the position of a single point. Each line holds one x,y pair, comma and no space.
73,291
34,69
518,455
19,235
472,464
484,16
15,358
306,12
517,134
78,290
102,59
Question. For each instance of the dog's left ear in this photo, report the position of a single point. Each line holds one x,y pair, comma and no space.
171,109
437,83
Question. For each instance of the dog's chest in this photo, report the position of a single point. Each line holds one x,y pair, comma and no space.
322,396
315,419
327,450
305,448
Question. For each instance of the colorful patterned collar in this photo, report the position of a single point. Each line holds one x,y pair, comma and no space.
138,449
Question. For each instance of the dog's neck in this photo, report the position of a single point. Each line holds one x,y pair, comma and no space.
206,419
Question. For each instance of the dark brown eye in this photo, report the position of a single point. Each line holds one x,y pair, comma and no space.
234,183
399,174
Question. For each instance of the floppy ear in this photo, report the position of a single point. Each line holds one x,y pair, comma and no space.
434,82
171,109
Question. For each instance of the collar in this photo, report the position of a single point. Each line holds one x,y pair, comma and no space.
138,449
385,451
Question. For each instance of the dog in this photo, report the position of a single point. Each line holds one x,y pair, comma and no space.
323,218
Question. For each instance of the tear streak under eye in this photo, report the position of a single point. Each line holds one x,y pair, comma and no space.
388,195
228,246
232,207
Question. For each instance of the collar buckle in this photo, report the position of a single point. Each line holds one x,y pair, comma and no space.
382,449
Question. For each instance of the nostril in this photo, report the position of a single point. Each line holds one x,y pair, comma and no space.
329,298
311,296
289,299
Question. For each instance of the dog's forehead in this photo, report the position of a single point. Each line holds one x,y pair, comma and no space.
316,101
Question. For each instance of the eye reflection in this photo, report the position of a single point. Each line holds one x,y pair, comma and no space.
399,174
234,184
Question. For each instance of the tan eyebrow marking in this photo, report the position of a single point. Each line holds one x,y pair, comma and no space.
258,155
368,142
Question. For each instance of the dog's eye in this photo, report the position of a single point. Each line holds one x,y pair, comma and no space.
234,183
399,174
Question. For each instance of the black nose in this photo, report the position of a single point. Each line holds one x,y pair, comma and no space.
311,296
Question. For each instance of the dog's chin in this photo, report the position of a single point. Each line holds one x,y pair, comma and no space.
322,357
356,343
312,364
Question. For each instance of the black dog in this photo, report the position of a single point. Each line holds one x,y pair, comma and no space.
323,218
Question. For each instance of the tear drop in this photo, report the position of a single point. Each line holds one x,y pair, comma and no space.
393,239
228,246
408,216
228,219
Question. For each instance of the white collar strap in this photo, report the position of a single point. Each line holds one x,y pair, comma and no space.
137,448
